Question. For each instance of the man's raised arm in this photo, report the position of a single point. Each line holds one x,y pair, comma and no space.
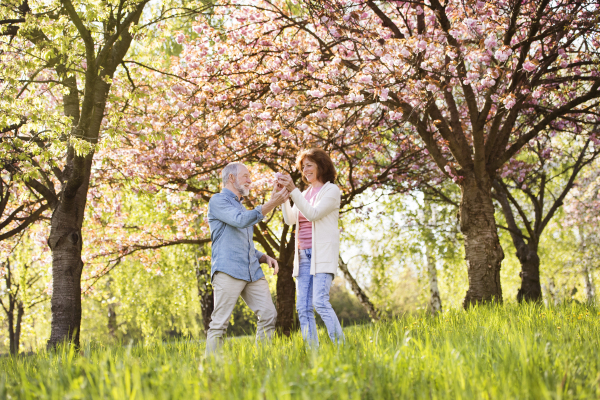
277,199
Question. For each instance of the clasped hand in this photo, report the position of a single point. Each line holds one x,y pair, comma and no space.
282,189
285,181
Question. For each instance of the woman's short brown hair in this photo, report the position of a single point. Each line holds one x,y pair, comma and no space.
325,169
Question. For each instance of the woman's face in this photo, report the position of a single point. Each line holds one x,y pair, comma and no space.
310,171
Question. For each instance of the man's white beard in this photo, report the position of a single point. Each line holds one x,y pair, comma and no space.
240,188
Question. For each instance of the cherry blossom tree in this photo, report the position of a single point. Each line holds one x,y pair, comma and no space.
175,149
470,83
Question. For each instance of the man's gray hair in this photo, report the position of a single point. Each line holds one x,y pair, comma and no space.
230,169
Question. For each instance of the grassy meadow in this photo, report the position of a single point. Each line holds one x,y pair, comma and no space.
506,352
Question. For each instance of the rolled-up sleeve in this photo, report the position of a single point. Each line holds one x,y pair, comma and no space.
223,210
259,254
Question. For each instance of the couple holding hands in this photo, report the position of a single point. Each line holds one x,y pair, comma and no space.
236,263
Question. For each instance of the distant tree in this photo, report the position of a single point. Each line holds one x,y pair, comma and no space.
531,189
21,274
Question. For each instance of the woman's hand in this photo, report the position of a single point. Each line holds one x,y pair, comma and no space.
287,182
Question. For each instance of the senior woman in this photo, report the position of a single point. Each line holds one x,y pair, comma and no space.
316,214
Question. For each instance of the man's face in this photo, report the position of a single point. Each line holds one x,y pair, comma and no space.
242,182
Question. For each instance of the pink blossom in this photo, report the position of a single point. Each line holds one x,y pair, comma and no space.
275,88
356,97
366,79
503,53
491,42
316,93
180,38
395,115
529,66
488,82
510,101
384,94
471,23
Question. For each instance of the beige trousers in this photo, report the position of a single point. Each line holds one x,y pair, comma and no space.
226,291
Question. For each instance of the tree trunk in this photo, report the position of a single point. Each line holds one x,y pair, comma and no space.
205,294
482,245
527,253
590,290
552,292
11,327
112,324
286,290
435,301
66,243
531,288
112,320
360,294
14,329
14,346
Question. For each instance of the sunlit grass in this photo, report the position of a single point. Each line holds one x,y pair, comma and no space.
507,352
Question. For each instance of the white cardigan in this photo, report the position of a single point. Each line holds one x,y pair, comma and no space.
325,232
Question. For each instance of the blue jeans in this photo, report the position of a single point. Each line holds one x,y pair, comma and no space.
313,292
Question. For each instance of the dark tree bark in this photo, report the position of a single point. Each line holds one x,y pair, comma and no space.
527,253
205,293
112,320
112,324
14,309
286,288
482,245
14,329
65,241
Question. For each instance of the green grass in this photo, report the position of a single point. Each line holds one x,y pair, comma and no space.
505,352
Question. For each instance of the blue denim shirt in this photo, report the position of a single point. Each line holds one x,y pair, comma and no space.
231,232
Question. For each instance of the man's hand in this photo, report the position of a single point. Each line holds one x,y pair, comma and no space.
271,262
277,199
287,182
280,197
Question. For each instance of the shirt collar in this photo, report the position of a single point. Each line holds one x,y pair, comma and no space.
229,193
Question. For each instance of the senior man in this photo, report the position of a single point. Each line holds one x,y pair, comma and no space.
235,262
